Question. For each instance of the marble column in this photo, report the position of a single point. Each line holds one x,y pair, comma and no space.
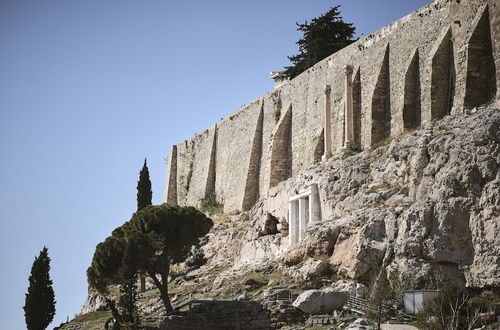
349,114
314,204
293,221
328,123
303,216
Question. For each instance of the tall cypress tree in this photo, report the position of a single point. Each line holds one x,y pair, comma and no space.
144,193
144,196
40,304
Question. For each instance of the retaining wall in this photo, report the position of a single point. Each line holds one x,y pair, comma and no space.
433,62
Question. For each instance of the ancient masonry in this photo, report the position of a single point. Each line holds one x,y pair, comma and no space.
439,60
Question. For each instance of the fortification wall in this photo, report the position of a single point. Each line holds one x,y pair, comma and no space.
428,64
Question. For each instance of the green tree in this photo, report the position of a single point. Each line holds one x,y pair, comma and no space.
114,264
322,37
144,196
40,304
155,238
144,192
380,297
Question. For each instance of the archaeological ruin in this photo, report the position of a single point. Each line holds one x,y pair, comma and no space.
438,60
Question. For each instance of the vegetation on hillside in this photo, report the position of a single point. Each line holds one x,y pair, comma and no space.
455,309
151,242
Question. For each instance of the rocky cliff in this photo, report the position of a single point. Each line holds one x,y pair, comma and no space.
425,206
426,203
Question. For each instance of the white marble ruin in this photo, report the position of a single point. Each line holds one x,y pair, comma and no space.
303,208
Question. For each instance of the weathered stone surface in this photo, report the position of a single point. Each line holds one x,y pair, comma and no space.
294,255
443,58
270,225
430,197
313,270
320,301
353,288
222,315
93,302
321,239
426,204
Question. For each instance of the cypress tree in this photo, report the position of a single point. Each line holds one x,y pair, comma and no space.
322,37
144,193
144,197
40,304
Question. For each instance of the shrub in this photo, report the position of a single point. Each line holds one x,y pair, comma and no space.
454,309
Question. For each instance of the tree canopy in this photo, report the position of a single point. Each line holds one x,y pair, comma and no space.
322,37
40,303
155,238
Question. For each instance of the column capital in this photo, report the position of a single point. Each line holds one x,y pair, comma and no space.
348,69
328,89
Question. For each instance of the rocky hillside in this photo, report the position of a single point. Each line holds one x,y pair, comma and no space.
425,206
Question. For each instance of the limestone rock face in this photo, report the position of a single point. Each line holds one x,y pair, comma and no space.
321,239
353,288
93,302
236,240
312,269
294,255
321,301
425,204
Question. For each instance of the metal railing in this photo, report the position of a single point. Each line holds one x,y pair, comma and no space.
362,306
358,305
284,295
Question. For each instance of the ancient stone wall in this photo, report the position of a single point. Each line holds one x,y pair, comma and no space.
219,315
222,315
430,63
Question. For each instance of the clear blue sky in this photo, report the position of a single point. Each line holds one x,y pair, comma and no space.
89,88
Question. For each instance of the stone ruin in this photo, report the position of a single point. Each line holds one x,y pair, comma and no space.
438,60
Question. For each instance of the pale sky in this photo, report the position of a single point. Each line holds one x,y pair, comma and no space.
89,88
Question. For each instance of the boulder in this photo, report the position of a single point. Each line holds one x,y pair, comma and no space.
356,253
321,239
312,269
320,301
353,288
360,324
294,255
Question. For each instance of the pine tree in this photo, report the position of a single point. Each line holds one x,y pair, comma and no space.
156,238
40,305
144,193
322,37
